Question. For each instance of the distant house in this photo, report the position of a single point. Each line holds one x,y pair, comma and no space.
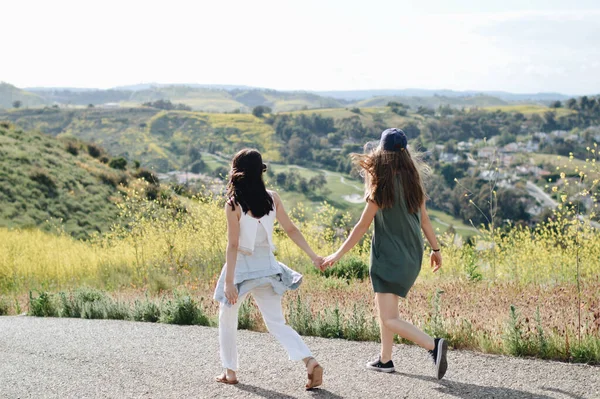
486,152
560,133
449,157
544,137
110,105
530,146
506,159
574,138
531,170
492,175
511,147
464,145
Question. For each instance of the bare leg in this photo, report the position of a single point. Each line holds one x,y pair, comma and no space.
387,339
390,318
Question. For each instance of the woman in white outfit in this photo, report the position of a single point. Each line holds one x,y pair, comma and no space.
252,268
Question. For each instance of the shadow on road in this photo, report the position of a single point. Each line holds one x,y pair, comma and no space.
472,391
267,393
569,394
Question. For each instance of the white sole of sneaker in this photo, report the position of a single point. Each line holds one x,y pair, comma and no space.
369,367
441,361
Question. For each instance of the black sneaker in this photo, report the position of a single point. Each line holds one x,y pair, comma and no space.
377,365
439,357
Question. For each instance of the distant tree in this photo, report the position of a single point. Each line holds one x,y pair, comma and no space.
17,104
260,110
550,123
572,103
399,111
94,150
412,130
146,175
425,111
118,163
221,172
198,166
136,163
396,104
303,185
90,106
555,104
280,179
355,110
317,182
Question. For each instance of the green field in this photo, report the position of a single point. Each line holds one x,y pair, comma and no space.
530,109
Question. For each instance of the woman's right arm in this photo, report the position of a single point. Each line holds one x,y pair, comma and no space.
233,240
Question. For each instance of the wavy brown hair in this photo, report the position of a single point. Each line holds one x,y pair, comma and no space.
246,186
382,170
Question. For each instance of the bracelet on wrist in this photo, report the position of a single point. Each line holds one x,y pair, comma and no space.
436,250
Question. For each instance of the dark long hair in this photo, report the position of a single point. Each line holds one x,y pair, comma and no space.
246,186
383,168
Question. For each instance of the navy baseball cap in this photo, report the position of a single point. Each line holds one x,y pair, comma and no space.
393,140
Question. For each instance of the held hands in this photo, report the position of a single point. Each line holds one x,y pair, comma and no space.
435,260
231,293
331,260
317,262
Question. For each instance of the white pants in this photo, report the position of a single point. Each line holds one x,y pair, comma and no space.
269,304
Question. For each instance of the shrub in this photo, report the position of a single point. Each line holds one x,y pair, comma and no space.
72,148
94,150
329,324
42,177
349,268
42,306
147,175
183,310
146,310
300,317
4,306
260,110
118,163
245,319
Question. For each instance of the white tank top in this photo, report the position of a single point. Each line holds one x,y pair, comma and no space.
262,238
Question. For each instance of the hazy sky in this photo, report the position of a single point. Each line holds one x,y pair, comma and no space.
511,45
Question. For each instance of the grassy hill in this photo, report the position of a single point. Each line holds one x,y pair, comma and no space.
530,109
159,139
198,98
9,94
432,102
47,182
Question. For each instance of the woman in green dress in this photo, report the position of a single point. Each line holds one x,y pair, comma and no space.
396,200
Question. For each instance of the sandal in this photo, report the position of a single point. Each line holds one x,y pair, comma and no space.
316,377
223,379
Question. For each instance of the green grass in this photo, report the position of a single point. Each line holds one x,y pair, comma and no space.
441,222
530,109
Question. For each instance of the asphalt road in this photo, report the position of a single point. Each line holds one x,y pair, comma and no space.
73,358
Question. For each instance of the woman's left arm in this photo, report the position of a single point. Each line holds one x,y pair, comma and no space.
357,233
436,257
293,231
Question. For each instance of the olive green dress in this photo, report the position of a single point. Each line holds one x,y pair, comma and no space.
396,248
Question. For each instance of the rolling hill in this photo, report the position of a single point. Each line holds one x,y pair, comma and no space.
9,94
232,98
51,183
